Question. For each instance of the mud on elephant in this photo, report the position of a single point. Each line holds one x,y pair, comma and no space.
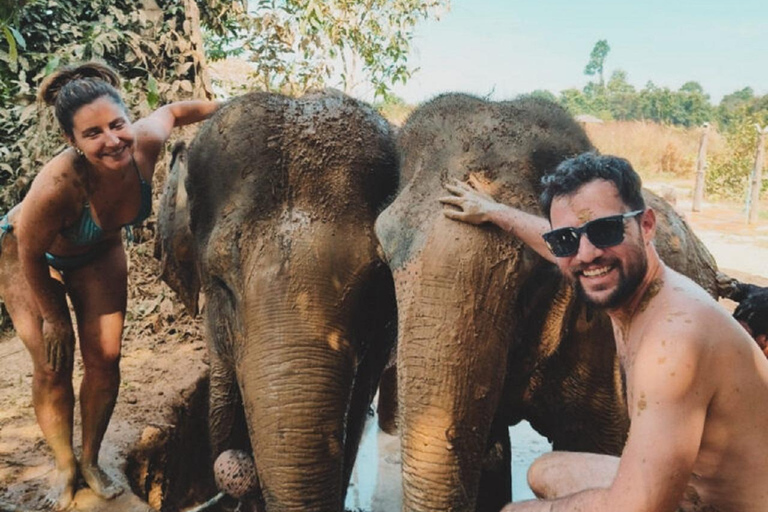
488,332
275,223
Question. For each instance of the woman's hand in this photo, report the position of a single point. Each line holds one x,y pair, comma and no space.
59,343
473,206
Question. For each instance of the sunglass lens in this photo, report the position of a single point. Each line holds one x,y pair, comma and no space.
563,242
606,232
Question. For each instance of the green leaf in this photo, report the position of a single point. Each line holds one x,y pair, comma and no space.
53,63
12,52
153,97
19,38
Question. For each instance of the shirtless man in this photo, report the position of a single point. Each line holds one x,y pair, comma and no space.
697,385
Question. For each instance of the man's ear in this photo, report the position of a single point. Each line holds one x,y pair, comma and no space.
648,224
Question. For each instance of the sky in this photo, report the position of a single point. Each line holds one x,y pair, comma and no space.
502,48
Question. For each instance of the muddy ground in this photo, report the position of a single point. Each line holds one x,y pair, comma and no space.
155,432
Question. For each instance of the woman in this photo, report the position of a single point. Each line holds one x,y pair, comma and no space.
64,238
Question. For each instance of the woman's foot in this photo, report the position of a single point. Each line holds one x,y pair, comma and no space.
99,482
63,490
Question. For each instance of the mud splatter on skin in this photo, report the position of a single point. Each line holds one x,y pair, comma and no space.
585,215
653,290
642,403
692,502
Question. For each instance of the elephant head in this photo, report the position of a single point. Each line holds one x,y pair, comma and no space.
300,309
488,332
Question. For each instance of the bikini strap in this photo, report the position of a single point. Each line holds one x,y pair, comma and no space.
136,167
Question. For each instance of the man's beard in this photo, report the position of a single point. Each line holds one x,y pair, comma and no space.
628,284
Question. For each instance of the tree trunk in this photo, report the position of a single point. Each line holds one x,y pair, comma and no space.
701,167
753,203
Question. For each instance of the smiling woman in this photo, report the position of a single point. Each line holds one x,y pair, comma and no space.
65,240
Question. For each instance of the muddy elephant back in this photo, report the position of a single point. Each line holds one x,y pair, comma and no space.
512,142
265,153
679,247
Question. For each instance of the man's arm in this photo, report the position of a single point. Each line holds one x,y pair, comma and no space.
669,399
475,207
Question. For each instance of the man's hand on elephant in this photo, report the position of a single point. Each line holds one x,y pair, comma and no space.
59,343
472,206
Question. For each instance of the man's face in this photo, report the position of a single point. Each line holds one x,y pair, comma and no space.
605,276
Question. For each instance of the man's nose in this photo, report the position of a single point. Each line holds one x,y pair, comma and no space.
587,251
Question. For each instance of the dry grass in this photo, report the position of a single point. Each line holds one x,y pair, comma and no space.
654,149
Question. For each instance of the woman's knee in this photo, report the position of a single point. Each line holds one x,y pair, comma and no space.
102,361
44,375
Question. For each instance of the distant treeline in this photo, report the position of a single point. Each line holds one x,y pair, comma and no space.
688,106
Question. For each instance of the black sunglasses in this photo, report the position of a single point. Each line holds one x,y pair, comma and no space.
603,232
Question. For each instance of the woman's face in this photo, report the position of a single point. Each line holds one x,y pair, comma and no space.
103,132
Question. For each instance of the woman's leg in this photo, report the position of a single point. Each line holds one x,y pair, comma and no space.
52,394
558,474
98,294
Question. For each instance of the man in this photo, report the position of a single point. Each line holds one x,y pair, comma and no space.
697,385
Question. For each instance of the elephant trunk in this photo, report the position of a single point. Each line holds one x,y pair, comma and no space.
454,338
296,395
299,365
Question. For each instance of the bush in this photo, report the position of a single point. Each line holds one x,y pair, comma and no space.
728,173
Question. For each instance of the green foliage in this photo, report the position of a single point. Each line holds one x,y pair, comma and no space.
597,60
735,106
296,45
728,174
153,50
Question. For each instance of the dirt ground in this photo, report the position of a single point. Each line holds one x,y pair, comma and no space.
164,362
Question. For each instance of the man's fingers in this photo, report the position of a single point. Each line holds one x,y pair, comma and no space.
453,214
452,200
454,189
474,182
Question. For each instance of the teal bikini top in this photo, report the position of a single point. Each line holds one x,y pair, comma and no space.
87,232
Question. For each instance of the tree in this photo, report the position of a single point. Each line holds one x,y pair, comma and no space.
622,97
9,18
299,44
597,60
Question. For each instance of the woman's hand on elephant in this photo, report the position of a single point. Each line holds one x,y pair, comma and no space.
472,206
59,343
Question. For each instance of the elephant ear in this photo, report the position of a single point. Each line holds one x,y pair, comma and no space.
174,244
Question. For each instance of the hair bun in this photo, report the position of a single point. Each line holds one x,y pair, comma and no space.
53,83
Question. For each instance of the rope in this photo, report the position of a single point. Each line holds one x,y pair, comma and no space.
208,504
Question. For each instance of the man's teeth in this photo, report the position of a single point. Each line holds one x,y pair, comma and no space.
594,272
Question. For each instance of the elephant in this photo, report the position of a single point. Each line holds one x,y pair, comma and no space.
489,333
274,225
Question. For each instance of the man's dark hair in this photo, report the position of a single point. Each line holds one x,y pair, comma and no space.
575,172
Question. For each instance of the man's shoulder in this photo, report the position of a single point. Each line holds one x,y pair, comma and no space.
683,304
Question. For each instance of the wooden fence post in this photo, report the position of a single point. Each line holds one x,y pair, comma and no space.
756,178
701,167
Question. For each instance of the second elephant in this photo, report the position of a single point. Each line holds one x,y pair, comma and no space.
488,332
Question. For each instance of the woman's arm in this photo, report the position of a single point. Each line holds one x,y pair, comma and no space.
41,219
476,207
155,129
